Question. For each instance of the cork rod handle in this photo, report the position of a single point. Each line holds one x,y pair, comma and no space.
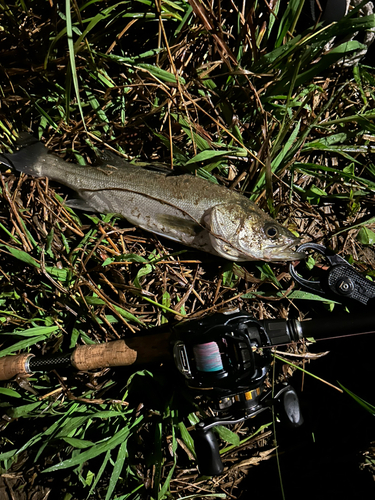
137,350
89,357
10,366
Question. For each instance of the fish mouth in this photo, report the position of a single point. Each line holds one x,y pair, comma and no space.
284,252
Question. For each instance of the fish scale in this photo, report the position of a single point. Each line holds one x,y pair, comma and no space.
183,208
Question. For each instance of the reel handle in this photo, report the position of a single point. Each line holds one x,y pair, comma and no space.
207,450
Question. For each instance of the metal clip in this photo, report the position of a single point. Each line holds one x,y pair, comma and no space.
341,279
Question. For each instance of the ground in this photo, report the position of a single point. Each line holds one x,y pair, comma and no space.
178,83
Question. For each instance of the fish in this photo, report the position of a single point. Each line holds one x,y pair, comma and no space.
183,207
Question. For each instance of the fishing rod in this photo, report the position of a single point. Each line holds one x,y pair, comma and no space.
185,340
225,356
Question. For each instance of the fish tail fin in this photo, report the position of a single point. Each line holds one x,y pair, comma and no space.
28,159
5,161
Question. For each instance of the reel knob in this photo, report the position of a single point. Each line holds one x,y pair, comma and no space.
289,407
207,450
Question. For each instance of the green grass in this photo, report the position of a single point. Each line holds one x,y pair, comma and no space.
250,102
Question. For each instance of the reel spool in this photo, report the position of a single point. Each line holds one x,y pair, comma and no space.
221,356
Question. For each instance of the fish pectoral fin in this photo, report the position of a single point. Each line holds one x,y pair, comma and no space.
186,226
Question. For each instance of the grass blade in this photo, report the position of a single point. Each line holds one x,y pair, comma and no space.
73,69
97,449
119,464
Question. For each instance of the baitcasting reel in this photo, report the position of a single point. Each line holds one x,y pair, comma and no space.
223,356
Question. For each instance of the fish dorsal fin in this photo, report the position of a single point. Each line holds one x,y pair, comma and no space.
109,158
156,167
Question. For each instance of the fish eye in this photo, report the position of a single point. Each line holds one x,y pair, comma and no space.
271,231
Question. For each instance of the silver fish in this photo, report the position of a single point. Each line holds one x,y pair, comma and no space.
183,208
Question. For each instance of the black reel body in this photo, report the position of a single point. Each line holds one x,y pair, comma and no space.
221,356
